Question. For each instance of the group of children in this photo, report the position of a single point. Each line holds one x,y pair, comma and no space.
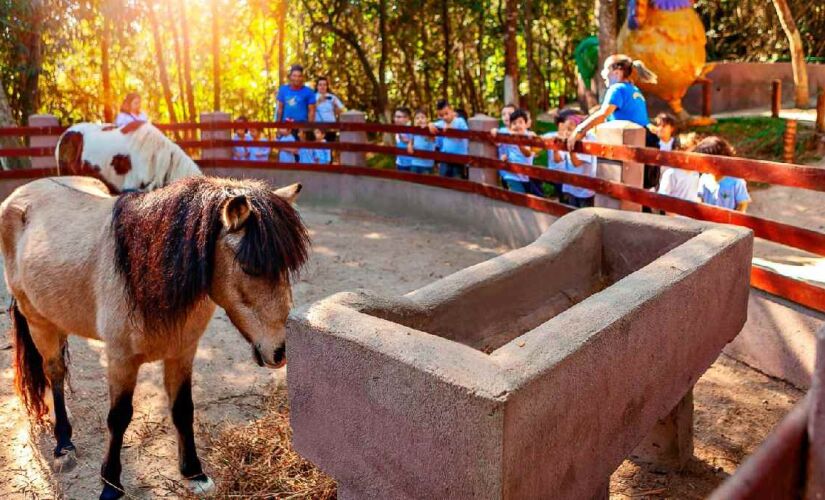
286,154
448,119
726,192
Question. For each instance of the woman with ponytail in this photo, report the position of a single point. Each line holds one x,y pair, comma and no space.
623,101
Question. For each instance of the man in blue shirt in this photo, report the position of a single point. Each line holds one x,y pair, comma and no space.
448,119
296,101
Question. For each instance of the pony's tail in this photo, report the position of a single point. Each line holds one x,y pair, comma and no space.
29,376
643,74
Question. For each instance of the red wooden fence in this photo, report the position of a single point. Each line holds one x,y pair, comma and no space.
799,176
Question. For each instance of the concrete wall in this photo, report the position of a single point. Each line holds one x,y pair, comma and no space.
740,85
509,224
400,410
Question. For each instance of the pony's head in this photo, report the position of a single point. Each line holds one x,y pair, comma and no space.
251,280
236,242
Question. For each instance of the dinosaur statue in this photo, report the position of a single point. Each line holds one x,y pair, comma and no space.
668,36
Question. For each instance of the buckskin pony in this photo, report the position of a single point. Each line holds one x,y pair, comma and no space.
143,272
134,157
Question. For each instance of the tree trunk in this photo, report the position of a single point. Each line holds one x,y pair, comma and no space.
482,63
606,13
282,6
187,62
7,120
445,29
162,75
511,53
800,72
105,77
529,46
32,59
216,58
178,58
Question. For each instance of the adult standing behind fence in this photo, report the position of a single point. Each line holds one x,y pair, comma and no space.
130,110
296,101
623,101
327,106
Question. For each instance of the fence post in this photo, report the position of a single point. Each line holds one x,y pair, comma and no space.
354,158
483,123
620,132
215,135
707,93
790,141
816,424
776,98
819,132
43,141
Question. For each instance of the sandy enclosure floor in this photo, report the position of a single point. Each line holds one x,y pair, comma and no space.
735,407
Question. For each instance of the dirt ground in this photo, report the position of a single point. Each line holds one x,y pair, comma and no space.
736,407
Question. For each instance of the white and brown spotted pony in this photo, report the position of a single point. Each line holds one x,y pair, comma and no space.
143,272
134,157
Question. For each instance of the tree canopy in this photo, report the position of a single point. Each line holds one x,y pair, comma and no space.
76,58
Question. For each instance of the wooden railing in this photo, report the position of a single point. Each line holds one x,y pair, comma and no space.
797,176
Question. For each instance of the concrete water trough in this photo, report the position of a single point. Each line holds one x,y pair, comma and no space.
531,375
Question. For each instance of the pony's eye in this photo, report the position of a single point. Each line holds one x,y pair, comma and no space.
252,271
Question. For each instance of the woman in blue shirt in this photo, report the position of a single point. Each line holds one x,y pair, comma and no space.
623,101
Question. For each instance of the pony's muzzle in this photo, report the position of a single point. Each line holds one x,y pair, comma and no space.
277,359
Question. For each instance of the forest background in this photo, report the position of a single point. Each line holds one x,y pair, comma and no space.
77,59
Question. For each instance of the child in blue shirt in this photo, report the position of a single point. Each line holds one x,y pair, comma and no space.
315,156
515,153
240,152
727,192
258,153
449,119
285,153
421,143
401,116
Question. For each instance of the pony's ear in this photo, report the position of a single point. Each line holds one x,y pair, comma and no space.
235,212
289,193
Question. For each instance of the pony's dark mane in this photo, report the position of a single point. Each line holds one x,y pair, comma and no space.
165,243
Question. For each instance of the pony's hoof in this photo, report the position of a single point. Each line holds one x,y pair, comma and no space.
111,493
201,487
66,461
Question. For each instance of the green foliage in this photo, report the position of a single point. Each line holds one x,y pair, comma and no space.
761,138
377,53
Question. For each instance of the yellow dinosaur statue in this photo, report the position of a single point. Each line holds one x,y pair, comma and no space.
668,36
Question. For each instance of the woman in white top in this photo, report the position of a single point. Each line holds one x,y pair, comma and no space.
327,106
130,111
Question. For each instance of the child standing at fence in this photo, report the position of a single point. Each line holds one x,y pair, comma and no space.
322,156
240,152
727,192
285,153
315,156
518,154
401,116
258,153
449,120
576,163
421,143
566,121
676,182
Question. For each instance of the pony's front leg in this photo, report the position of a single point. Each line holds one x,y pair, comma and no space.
122,378
178,382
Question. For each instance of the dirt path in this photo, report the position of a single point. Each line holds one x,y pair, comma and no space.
799,207
350,249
